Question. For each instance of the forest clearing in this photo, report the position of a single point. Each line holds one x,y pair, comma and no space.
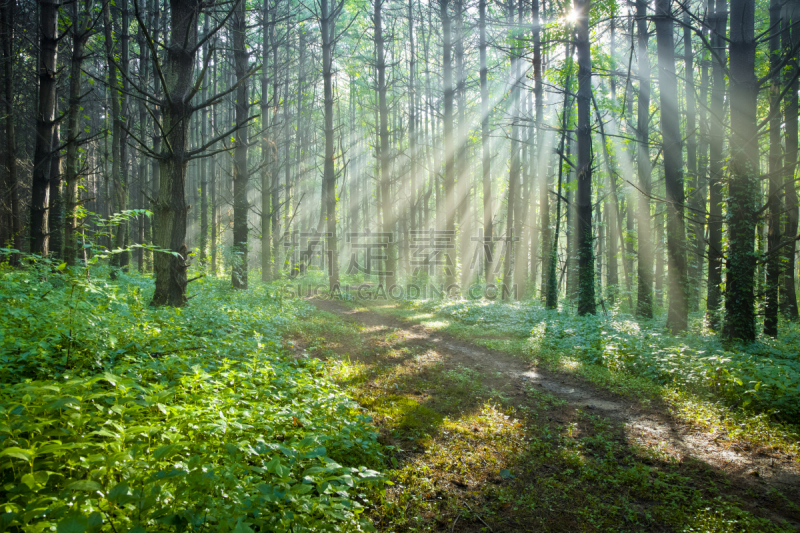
399,265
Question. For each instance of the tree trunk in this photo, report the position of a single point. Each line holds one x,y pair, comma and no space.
677,316
240,171
449,149
266,149
775,178
486,157
121,186
743,188
695,233
9,166
586,271
113,89
328,27
514,165
644,301
715,158
170,206
551,301
45,124
204,161
789,294
80,35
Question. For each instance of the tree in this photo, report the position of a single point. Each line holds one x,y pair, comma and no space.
743,195
644,299
241,175
45,126
328,17
586,271
775,163
82,27
718,23
673,168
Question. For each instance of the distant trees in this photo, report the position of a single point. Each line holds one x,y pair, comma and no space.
468,135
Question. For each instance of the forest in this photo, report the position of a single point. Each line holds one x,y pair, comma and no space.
399,265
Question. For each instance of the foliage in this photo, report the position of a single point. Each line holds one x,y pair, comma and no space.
114,415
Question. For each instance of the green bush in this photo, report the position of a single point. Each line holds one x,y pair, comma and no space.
115,416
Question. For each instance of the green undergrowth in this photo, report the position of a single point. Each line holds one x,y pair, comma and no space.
465,456
750,392
115,416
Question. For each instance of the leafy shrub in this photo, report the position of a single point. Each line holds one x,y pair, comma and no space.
117,416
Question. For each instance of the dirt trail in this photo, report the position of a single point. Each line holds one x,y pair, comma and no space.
747,467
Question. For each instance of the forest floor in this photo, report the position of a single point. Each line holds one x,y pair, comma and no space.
481,440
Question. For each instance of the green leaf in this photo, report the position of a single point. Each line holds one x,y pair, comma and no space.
73,523
17,453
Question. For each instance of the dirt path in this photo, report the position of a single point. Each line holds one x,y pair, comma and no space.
749,470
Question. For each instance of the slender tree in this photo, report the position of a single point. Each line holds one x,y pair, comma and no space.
586,270
673,167
644,300
45,126
241,174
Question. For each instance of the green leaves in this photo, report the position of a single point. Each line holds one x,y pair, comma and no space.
237,436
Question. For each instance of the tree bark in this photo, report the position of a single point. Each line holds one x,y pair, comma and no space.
45,125
449,149
486,156
715,162
170,206
240,171
586,270
775,163
789,294
644,300
743,188
80,35
678,313
328,27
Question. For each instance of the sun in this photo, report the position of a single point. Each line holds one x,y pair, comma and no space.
571,16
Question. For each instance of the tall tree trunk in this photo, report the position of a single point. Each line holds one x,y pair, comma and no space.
775,177
715,162
743,189
9,167
266,148
170,205
45,124
113,90
383,137
328,27
121,186
79,33
644,300
514,164
449,149
586,271
677,316
412,121
204,161
696,230
551,301
240,171
275,167
790,38
543,142
486,156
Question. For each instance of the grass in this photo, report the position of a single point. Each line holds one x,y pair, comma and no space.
695,403
466,453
